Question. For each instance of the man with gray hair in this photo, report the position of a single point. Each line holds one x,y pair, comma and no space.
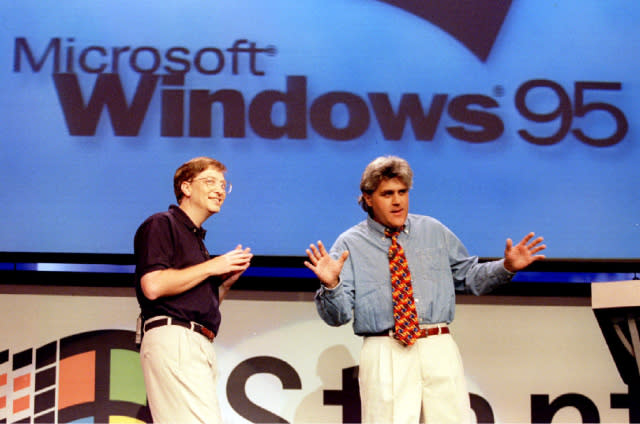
395,274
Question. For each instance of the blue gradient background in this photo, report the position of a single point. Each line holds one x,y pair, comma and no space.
64,193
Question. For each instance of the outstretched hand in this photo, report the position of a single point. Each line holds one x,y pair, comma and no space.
522,254
324,266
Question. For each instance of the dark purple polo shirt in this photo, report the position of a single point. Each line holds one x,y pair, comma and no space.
171,240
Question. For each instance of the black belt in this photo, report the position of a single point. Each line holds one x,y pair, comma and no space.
198,328
425,332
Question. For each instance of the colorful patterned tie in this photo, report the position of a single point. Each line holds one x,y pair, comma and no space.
407,328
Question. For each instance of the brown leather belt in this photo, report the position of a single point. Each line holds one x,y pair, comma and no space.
424,332
198,328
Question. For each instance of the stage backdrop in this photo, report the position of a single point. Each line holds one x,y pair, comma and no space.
516,116
71,358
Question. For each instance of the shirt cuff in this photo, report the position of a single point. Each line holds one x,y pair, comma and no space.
325,288
509,273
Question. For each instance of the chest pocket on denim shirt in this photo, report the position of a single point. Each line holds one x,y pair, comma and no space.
430,266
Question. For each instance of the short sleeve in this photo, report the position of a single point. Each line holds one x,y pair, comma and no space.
153,245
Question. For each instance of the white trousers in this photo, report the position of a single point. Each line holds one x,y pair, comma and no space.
180,374
420,383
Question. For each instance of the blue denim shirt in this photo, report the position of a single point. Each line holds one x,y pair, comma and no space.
439,265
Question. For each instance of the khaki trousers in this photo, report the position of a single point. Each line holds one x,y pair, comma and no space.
421,383
180,374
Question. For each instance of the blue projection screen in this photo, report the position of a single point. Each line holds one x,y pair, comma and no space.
515,116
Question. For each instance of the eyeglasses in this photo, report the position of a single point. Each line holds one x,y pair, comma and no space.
212,183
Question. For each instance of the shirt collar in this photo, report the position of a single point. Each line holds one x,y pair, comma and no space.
378,228
184,219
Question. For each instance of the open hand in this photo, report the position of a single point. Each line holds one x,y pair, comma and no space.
324,266
522,254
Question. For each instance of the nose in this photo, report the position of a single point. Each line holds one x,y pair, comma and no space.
219,189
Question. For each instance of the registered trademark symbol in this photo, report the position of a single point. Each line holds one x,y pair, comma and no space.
498,91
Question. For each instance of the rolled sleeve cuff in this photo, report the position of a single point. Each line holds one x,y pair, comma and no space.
333,290
507,273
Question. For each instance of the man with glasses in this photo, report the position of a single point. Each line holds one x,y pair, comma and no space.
179,288
395,275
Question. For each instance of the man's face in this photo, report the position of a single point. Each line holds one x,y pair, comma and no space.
207,190
389,203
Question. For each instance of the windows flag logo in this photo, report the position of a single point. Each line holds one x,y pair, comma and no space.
92,377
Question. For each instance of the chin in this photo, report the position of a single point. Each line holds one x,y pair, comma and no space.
397,223
394,224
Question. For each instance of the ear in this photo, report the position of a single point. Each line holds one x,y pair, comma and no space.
186,188
367,198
